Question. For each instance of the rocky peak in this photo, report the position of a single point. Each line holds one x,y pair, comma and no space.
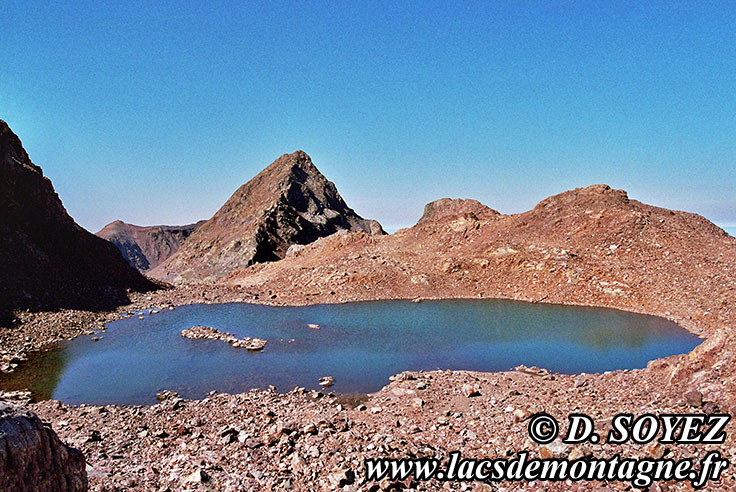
289,202
145,247
595,196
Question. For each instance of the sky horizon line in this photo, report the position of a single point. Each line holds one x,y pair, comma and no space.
392,227
156,114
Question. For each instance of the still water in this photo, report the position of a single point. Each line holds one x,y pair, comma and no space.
359,344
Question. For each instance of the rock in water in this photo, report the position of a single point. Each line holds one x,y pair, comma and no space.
33,458
47,261
145,247
290,202
209,333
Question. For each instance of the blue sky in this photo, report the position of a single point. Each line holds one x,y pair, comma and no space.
155,112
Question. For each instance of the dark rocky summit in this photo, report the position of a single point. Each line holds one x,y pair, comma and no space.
47,261
146,247
33,458
290,202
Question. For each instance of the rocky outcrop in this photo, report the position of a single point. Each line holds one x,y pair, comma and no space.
448,207
33,458
290,202
47,261
145,247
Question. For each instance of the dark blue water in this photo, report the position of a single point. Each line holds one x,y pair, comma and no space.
359,344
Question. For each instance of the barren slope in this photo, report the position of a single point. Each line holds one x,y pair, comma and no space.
46,260
591,245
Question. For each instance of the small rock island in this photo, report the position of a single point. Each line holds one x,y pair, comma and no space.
209,333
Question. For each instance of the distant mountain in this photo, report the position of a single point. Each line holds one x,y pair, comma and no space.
145,247
444,207
47,261
290,202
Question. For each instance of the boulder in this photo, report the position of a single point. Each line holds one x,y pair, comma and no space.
32,458
470,390
694,398
555,449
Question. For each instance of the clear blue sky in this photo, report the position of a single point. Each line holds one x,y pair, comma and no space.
155,113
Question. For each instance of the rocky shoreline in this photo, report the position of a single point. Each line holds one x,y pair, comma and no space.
418,414
39,331
591,247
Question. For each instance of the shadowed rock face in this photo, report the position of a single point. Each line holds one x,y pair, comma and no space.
145,247
289,202
47,261
33,458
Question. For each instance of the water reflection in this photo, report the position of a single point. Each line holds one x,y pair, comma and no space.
41,373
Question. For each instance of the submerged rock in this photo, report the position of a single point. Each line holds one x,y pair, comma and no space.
167,395
209,333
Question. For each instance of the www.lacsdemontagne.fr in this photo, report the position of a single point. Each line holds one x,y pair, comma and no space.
639,472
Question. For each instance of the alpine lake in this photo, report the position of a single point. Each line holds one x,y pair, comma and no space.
359,344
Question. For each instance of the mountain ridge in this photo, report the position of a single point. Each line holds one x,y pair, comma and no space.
575,246
145,247
47,261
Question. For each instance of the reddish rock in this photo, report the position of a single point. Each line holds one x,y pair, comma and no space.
694,398
33,458
444,207
470,390
655,450
555,449
290,202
